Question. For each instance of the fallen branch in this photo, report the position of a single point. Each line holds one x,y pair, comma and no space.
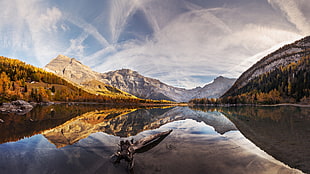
129,148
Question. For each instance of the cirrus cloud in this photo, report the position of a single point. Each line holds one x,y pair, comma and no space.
184,43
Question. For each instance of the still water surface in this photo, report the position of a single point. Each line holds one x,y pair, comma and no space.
81,139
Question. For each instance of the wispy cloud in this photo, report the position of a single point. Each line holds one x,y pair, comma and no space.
48,21
76,46
293,13
198,42
32,27
120,11
88,28
184,43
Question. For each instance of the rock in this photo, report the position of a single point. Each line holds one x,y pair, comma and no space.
18,106
46,103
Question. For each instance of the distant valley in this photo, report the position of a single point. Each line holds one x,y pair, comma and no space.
134,83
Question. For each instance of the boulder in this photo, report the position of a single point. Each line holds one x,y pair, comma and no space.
18,106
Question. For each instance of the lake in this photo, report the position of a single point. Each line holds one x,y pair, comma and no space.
66,138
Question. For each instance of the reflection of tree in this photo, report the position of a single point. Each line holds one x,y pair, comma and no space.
281,131
41,118
275,113
119,122
82,126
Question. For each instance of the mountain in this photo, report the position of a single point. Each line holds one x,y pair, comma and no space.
70,68
73,70
20,81
283,74
134,83
144,87
140,86
216,88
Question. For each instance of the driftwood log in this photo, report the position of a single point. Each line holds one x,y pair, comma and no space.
129,148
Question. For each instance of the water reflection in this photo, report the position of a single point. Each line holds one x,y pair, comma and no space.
129,122
127,148
282,131
14,127
201,142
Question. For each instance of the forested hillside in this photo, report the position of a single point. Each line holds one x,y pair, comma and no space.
23,81
289,83
285,84
282,76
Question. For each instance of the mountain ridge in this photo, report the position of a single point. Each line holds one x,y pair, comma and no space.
282,76
281,57
134,83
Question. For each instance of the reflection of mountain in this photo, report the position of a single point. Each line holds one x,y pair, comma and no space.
282,132
128,122
82,126
185,150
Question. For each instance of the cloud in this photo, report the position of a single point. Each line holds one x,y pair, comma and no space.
88,28
48,21
44,26
293,13
184,43
20,25
120,11
76,46
197,43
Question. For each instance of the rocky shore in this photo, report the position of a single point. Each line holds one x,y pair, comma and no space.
18,106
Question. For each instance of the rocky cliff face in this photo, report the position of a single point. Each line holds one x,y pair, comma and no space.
280,58
71,69
134,83
140,86
74,71
144,87
215,89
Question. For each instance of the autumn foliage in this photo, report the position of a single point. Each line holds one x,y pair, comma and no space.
286,84
19,80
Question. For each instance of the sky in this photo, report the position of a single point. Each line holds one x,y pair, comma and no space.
184,43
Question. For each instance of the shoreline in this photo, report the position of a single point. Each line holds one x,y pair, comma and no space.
22,107
291,104
121,104
256,105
